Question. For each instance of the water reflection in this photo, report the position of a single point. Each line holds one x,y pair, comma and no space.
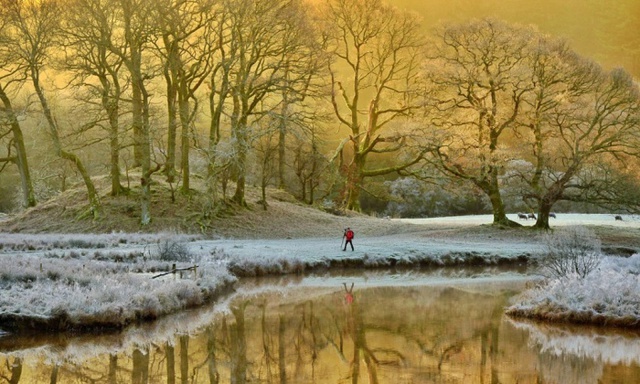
572,354
339,332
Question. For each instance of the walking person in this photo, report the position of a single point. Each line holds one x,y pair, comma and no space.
348,235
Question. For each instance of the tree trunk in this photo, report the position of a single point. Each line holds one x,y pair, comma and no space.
492,189
282,139
16,371
240,133
499,214
172,127
354,182
94,201
185,122
140,369
112,377
282,363
54,374
281,152
110,103
145,150
28,194
136,123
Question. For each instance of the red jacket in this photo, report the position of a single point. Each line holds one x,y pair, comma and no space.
349,234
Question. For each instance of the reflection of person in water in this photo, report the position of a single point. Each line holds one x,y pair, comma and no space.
349,308
348,297
354,328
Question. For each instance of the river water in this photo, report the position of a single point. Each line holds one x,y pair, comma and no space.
441,326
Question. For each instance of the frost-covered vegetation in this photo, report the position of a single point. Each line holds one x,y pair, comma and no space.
582,285
70,289
44,242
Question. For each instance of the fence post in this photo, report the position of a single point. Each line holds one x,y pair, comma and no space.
173,270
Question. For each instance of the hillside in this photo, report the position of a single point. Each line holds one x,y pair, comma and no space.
284,218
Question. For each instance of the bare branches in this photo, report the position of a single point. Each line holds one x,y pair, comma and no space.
374,81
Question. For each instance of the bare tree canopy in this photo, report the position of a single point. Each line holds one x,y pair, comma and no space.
375,63
510,106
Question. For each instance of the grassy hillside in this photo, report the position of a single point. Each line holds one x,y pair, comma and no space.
284,217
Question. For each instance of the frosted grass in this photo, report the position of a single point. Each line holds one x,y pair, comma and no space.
78,293
609,295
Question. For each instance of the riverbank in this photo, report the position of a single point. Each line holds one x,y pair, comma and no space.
95,281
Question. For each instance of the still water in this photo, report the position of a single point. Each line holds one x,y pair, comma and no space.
429,327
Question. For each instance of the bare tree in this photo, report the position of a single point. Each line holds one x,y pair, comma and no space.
308,163
266,148
584,121
34,26
511,106
218,92
479,79
87,30
133,20
374,80
302,86
262,44
185,27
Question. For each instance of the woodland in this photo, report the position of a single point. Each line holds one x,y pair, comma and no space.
349,105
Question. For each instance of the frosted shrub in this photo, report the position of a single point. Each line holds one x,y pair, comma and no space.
573,251
172,250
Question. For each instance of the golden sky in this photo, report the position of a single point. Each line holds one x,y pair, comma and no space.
607,31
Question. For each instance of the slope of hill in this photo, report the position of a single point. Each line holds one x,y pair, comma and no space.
285,217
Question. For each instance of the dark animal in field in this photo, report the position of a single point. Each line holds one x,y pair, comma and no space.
532,216
552,214
522,216
618,218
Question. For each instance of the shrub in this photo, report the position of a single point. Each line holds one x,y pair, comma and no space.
172,250
574,250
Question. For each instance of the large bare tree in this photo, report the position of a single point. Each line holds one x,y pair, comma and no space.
581,122
374,78
478,77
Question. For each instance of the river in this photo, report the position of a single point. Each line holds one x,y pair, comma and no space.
437,326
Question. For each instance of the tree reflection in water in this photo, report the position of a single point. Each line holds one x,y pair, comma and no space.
346,335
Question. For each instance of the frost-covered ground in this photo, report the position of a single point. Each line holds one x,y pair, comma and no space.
63,281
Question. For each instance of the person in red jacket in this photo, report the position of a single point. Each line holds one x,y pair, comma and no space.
348,234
